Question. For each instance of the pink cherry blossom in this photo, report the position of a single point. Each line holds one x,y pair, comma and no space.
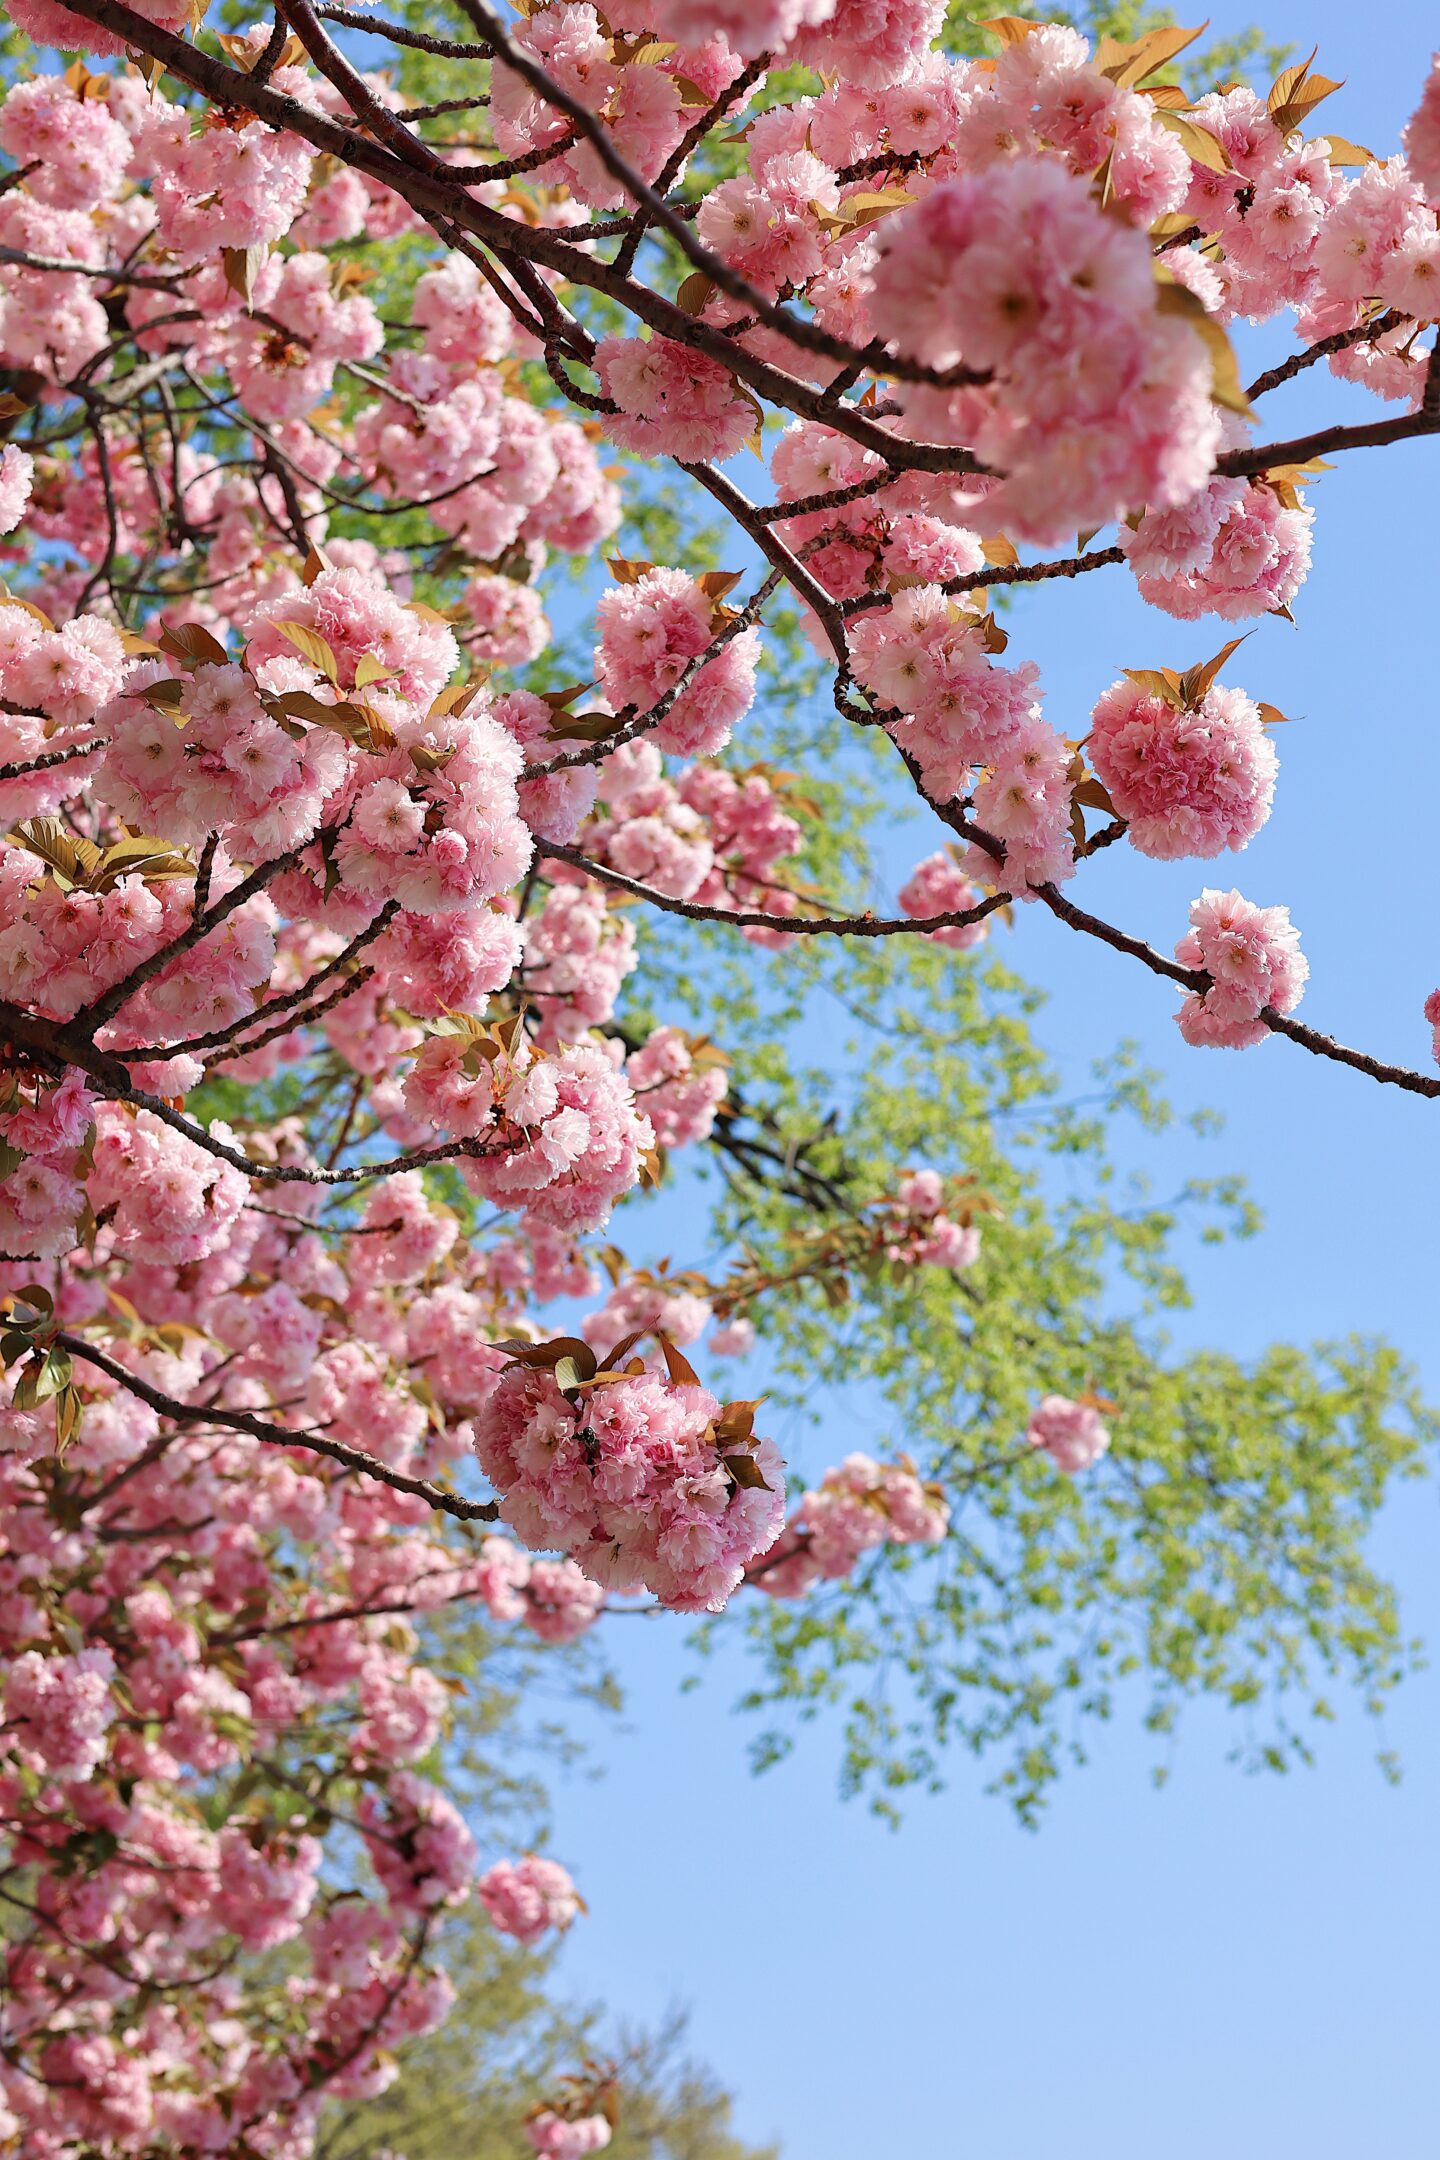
554,2137
1253,959
1421,138
526,1897
1187,781
632,1482
672,402
1073,1434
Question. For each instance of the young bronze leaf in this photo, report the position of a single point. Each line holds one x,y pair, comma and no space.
586,727
193,644
1154,49
165,696
1198,680
370,670
681,1371
9,599
615,1356
1091,794
546,1356
746,1472
427,759
1169,96
1204,147
1158,682
1287,82
716,583
694,291
1225,385
47,838
242,267
314,648
454,700
1010,29
865,206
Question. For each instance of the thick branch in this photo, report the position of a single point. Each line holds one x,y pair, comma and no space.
441,200
792,925
225,1036
1368,435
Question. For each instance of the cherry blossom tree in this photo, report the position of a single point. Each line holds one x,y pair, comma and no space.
417,835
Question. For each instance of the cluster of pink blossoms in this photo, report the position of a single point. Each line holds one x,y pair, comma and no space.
867,41
79,147
17,473
1032,129
938,886
578,952
422,804
640,1480
1296,233
1253,959
1422,136
112,169
928,658
42,1193
66,675
552,1597
671,402
679,1083
1188,780
855,1508
560,2137
919,1230
749,831
206,1657
1093,399
168,1199
59,1710
526,1897
643,105
421,1849
1024,801
505,624
1235,549
651,633
1073,1434
566,1139
220,186
712,836
643,1303
244,1593
65,945
888,537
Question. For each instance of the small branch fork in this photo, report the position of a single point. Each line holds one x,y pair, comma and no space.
523,263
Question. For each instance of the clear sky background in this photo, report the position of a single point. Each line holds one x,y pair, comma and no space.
1230,1964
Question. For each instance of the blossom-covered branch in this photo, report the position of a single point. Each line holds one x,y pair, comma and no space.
329,383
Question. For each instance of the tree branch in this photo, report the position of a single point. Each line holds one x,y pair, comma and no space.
258,1428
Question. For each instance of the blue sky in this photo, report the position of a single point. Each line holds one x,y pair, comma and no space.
1231,1963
